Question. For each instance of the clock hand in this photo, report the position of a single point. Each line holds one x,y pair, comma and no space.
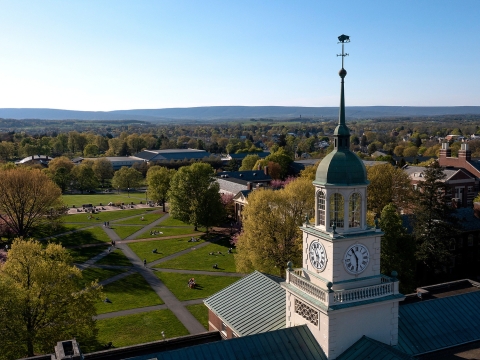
356,258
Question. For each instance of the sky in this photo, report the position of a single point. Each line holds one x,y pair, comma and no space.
101,55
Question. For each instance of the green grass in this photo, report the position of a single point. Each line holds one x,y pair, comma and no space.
139,328
96,199
104,216
168,231
94,235
83,254
91,274
164,248
130,292
206,284
201,260
174,222
46,229
200,312
148,219
125,231
116,257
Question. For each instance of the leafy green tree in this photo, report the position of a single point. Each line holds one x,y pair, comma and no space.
194,196
90,150
41,297
60,171
158,180
282,158
434,228
28,198
103,170
249,162
388,184
398,249
84,177
271,236
127,178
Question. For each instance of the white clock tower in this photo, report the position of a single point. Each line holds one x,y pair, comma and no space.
339,291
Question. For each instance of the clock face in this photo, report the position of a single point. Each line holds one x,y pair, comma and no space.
356,258
318,256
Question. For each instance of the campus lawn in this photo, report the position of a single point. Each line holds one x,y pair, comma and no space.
164,248
200,311
116,257
206,284
83,254
104,216
202,260
95,199
139,328
125,231
174,222
130,292
94,235
147,219
91,274
47,230
168,231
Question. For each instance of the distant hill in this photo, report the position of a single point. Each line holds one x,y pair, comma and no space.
237,112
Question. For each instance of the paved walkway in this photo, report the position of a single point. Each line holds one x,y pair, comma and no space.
172,303
117,277
148,227
94,259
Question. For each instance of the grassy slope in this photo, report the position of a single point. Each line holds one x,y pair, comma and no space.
139,328
130,292
206,284
164,248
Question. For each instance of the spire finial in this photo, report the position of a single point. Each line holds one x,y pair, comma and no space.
343,39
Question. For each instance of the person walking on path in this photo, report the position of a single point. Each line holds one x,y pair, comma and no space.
145,262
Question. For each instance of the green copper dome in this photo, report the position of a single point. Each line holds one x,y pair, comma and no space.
343,168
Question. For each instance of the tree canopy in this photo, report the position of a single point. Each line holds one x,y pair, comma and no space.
194,196
41,301
27,198
158,180
271,236
127,178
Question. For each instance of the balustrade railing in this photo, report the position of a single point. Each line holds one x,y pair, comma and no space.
308,287
365,293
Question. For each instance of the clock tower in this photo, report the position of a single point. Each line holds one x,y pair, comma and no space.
339,291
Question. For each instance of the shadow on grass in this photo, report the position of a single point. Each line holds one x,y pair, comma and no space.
82,237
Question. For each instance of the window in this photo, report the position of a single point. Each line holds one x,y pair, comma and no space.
336,210
354,210
321,208
470,240
459,243
224,330
452,244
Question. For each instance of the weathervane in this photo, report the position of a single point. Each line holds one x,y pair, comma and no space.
343,39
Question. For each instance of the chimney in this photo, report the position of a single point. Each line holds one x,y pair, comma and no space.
249,186
265,170
67,350
464,152
445,151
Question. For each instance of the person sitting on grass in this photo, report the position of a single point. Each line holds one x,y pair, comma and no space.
191,283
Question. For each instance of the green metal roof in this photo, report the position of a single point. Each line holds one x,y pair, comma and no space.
252,305
343,168
367,348
440,323
291,343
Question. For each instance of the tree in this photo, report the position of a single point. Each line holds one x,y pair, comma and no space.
84,177
27,198
388,184
249,162
434,225
158,180
194,196
90,150
282,158
271,236
127,178
398,249
60,170
42,299
103,170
